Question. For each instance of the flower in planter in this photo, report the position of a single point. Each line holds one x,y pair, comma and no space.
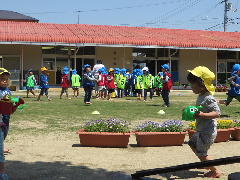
167,126
192,126
110,125
236,123
221,124
224,124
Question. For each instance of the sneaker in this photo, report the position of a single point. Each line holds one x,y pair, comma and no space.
3,177
164,105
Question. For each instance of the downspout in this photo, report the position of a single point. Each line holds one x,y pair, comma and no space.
123,57
75,58
169,55
22,67
216,69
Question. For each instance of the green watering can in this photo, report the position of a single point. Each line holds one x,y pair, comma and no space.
187,114
15,101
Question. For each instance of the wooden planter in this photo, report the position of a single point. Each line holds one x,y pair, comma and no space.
103,139
223,135
145,139
236,133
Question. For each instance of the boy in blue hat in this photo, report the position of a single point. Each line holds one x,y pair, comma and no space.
128,83
167,85
65,81
87,83
75,82
233,91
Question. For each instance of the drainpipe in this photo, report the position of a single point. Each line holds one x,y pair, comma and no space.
123,57
22,67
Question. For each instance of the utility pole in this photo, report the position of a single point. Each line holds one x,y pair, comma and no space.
225,15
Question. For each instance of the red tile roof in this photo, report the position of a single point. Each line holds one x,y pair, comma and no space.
103,34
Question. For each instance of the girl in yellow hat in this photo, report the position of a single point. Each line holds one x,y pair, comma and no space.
200,79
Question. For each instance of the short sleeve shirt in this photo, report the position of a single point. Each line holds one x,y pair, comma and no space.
209,104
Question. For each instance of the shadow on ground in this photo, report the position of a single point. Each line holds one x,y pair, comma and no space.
17,170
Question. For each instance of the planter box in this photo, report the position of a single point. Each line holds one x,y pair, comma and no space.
223,135
160,138
103,139
236,133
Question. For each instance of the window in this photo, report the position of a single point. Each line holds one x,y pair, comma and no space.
226,54
88,50
49,63
11,63
162,52
143,52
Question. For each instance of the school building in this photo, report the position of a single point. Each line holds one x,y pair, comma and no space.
26,44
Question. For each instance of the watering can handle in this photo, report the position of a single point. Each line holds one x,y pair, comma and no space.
19,102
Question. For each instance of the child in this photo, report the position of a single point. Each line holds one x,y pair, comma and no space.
121,82
200,79
128,83
138,84
44,83
116,75
167,85
75,82
158,83
87,82
134,81
111,85
31,81
4,82
100,84
65,81
234,81
147,83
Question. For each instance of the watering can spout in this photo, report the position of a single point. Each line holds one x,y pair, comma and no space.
18,103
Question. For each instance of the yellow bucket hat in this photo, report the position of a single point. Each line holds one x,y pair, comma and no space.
206,75
111,69
44,69
2,70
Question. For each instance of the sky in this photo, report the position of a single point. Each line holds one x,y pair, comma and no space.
173,14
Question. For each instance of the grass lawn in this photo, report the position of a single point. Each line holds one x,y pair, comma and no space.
62,115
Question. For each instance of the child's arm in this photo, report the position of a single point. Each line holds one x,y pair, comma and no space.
232,80
89,78
210,115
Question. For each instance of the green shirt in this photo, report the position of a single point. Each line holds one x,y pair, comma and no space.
75,81
121,82
146,81
138,83
30,81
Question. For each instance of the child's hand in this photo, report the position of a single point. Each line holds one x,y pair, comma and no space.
198,115
236,85
25,80
48,74
149,86
46,82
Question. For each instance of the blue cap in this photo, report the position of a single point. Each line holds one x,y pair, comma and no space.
235,68
65,70
30,70
165,66
86,65
74,72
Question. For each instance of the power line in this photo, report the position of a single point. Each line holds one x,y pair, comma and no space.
110,9
174,14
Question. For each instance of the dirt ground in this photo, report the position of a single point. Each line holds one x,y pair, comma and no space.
60,156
